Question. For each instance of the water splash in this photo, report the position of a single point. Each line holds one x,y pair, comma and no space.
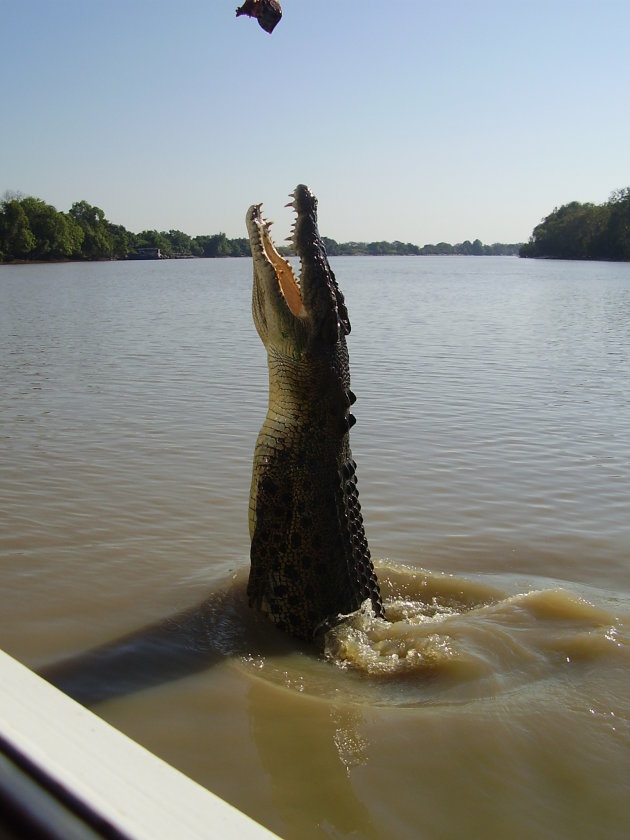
469,638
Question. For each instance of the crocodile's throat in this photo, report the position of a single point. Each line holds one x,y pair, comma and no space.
310,560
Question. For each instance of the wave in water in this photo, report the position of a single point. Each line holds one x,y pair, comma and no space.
470,638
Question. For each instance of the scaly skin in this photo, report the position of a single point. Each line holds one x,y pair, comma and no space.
310,560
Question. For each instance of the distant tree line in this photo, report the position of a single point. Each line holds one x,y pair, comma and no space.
578,231
31,229
467,248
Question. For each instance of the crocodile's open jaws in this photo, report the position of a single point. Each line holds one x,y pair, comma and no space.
310,560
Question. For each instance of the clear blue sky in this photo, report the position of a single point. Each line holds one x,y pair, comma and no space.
419,121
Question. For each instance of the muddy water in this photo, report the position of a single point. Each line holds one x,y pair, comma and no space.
493,450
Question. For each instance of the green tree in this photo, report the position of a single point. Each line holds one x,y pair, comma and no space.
97,239
618,227
332,247
217,245
240,247
123,241
584,231
16,238
57,235
153,239
180,244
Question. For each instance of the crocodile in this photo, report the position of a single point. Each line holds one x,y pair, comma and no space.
310,560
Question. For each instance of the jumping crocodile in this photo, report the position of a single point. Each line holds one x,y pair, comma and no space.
310,561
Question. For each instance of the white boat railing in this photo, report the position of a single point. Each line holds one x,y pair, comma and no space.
65,773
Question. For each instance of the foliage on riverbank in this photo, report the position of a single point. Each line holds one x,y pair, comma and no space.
32,230
588,231
467,248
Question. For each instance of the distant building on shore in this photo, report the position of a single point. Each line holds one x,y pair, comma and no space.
146,254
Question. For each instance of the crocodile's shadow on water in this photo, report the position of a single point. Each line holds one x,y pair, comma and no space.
446,639
220,627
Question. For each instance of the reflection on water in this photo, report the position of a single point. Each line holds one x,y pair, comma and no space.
493,446
308,761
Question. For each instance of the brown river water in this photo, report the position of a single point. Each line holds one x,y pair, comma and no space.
493,451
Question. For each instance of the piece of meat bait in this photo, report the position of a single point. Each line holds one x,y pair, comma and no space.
268,12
